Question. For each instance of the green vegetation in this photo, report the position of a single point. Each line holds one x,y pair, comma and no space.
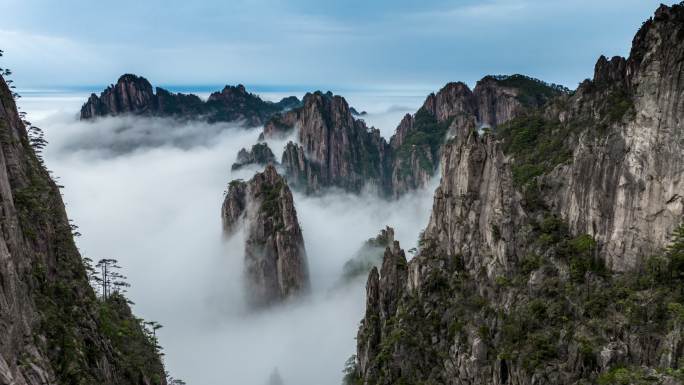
533,92
618,104
574,303
536,144
75,330
425,139
270,198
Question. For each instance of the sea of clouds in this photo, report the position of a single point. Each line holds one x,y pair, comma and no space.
148,192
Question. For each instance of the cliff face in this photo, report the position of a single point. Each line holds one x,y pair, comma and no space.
54,329
631,203
275,258
370,254
418,139
543,260
133,95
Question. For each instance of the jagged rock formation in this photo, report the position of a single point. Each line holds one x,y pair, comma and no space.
334,150
369,255
537,264
133,95
53,328
275,258
260,154
418,139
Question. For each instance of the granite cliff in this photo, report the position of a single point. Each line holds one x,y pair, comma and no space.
134,95
54,330
555,249
275,258
334,149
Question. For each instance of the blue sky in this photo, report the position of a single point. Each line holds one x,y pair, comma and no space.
350,44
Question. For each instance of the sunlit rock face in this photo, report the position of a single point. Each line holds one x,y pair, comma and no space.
275,258
133,95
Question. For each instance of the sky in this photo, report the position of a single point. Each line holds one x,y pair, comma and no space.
353,44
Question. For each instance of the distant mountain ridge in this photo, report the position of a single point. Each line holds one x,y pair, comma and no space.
134,95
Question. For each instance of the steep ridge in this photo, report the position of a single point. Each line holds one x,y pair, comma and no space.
54,329
133,95
544,260
275,258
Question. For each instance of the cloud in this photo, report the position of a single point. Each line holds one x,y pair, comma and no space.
352,44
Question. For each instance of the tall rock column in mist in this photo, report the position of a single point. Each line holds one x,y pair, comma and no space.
275,258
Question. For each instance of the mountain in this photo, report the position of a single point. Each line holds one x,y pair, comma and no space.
260,154
55,330
554,253
133,95
275,258
334,149
418,140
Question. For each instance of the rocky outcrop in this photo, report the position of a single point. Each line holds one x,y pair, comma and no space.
633,201
370,254
539,249
133,95
54,329
334,149
502,98
260,154
418,140
130,95
275,258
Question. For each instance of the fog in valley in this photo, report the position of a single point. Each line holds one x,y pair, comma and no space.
148,192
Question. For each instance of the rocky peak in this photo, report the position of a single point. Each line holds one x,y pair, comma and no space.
610,71
133,95
275,258
229,93
334,149
453,99
259,154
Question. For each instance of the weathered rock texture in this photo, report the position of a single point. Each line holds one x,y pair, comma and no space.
334,149
260,154
133,95
536,266
625,184
53,330
418,140
275,258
